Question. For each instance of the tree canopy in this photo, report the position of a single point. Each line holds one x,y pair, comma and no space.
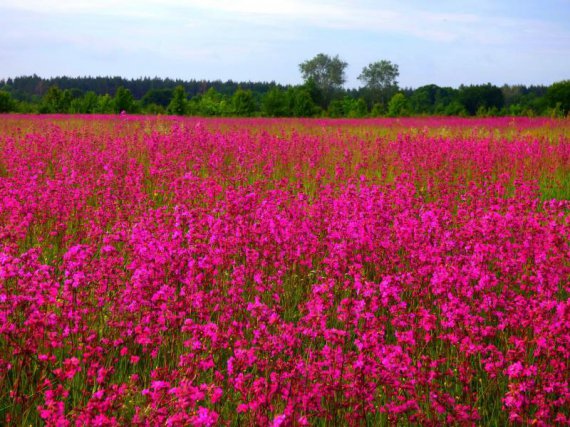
328,73
558,96
380,79
178,105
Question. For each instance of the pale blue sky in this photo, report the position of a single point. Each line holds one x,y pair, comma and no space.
446,42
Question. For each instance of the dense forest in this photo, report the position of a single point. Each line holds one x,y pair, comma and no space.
321,94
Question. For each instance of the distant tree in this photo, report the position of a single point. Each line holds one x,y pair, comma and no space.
444,96
380,80
7,104
76,106
124,100
301,103
398,106
422,100
512,94
358,108
75,93
336,108
348,107
212,103
317,95
105,105
243,103
87,104
178,105
378,110
328,74
454,108
158,97
431,99
274,103
154,109
558,96
476,96
56,101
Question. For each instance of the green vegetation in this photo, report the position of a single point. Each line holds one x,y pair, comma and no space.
326,73
321,95
380,81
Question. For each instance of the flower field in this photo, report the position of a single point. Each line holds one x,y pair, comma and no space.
161,271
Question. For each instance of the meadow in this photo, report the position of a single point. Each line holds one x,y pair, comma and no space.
184,271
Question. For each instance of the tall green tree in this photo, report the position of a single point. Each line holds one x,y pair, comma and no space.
86,104
558,96
211,103
105,105
243,103
89,102
380,80
300,103
348,107
274,103
422,100
475,98
56,101
7,104
328,73
160,97
179,104
124,100
398,106
317,94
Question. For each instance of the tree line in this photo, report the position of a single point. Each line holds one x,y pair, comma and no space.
322,94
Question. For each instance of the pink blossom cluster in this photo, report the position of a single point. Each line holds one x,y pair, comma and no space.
287,273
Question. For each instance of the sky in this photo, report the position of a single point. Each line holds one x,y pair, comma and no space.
445,42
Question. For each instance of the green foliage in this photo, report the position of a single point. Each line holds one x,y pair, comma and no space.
378,110
27,107
327,73
317,95
558,97
430,99
348,107
302,104
398,106
105,105
212,103
359,109
158,97
455,108
87,104
56,101
421,102
274,103
178,105
324,77
336,108
90,101
476,96
487,112
154,109
123,101
7,104
243,103
380,80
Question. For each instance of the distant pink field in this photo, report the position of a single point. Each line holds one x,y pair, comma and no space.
161,271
